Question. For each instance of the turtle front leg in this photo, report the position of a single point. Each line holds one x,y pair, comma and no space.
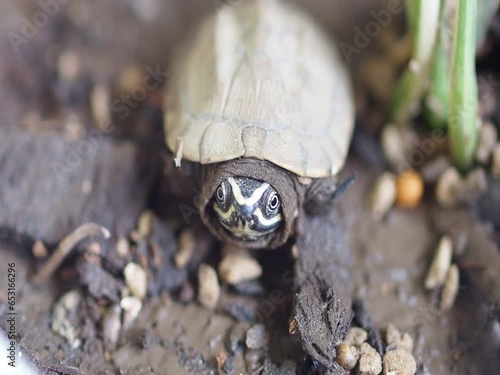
322,311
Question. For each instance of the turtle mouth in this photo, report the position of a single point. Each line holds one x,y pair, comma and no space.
244,230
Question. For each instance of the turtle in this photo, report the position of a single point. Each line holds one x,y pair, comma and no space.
259,112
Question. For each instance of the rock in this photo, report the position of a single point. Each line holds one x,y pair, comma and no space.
187,243
254,360
475,183
228,367
495,161
406,343
433,169
393,145
111,325
100,106
447,187
355,336
136,279
68,65
122,247
131,307
383,195
399,362
394,340
392,335
129,79
39,250
235,268
440,264
236,338
347,356
209,288
145,223
487,140
220,359
450,289
62,323
257,337
370,362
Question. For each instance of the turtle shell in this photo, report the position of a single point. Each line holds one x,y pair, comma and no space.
260,80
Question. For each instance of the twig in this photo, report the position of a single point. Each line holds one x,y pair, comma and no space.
65,247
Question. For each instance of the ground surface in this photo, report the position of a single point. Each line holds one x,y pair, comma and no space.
391,259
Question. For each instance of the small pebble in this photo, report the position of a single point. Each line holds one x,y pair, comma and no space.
136,279
392,335
187,243
130,79
394,339
475,183
228,367
440,264
235,268
409,189
393,145
447,187
257,337
61,323
406,343
220,359
254,360
433,169
131,308
495,161
145,223
68,65
292,327
236,338
100,104
123,247
355,336
383,195
370,362
39,250
487,139
111,325
399,362
209,288
450,288
347,356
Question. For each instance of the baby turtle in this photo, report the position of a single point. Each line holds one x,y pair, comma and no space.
259,107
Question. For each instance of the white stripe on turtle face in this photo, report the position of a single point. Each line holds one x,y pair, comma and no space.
250,201
224,215
267,222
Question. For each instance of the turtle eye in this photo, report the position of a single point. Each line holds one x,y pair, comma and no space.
221,195
273,203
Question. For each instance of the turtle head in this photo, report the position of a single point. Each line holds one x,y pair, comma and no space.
247,208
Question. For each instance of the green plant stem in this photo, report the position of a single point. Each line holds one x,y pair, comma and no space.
462,122
436,100
412,83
